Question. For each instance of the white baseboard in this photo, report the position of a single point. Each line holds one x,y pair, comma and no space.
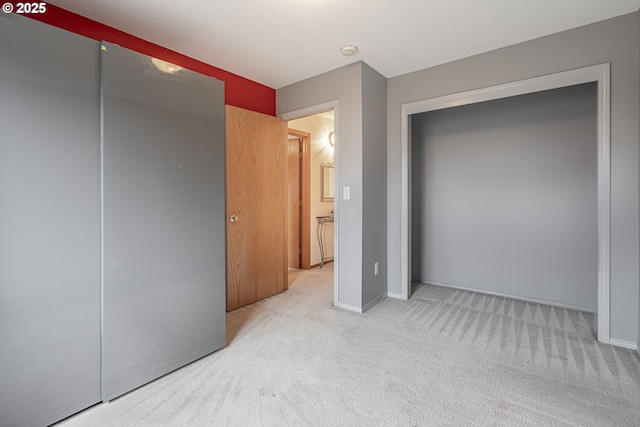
376,300
624,344
361,309
516,297
348,307
396,296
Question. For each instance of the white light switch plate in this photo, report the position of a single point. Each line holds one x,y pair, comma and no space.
346,193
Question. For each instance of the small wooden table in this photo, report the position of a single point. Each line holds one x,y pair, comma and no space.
322,220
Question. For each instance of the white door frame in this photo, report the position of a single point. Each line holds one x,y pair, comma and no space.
597,73
309,111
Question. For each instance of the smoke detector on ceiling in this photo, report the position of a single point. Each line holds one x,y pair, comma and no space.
349,50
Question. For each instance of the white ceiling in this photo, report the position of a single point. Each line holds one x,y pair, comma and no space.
279,42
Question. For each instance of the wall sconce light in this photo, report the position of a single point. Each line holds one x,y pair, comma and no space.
332,139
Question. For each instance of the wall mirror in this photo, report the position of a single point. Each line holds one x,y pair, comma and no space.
326,179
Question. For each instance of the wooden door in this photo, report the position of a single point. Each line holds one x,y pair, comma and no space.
293,201
256,251
305,191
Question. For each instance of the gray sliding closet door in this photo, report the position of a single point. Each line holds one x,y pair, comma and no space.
164,228
49,223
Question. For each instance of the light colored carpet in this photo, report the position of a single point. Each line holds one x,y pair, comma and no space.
446,357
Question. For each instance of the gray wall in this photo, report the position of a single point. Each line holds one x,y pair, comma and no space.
360,164
49,223
344,85
614,41
374,187
504,196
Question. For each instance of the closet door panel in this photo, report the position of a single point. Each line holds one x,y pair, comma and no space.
49,223
164,229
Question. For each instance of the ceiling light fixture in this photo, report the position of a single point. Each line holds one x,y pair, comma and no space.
349,50
165,67
332,139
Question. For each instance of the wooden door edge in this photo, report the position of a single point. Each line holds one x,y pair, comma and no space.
285,210
305,188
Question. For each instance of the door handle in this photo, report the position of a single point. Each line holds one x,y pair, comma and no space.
233,218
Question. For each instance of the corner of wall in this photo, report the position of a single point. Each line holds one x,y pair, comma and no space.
638,123
374,157
343,85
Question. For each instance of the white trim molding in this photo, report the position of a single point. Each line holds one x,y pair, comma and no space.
596,73
370,304
349,307
309,111
513,297
624,344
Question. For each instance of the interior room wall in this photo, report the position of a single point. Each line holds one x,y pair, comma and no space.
374,213
360,155
344,85
504,196
616,41
321,152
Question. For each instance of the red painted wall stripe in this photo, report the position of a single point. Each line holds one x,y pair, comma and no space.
239,91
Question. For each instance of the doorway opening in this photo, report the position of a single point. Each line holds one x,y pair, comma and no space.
316,109
310,183
504,197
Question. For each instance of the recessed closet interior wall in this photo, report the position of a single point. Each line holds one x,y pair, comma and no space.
504,196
